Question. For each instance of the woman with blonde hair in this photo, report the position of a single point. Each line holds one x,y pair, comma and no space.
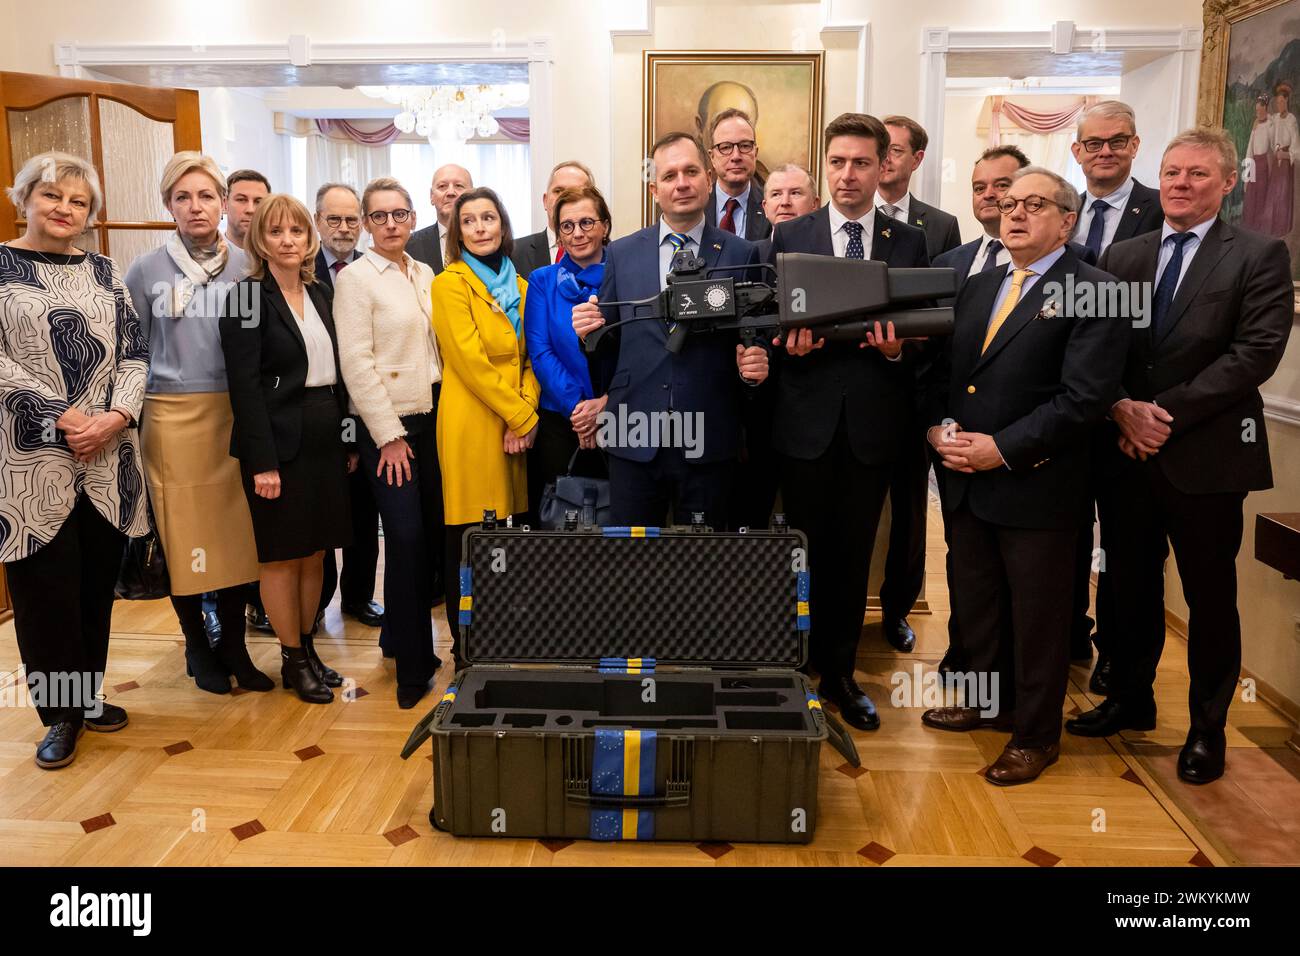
72,370
277,334
194,485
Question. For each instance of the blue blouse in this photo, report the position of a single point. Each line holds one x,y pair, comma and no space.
553,347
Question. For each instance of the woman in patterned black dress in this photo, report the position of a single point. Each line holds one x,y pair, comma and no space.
72,376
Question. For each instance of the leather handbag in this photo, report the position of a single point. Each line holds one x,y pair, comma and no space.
589,497
143,575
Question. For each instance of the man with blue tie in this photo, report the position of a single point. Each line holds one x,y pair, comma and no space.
736,201
1189,442
844,411
1115,207
671,425
1013,398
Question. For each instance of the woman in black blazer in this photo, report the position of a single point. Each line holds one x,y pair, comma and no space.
277,332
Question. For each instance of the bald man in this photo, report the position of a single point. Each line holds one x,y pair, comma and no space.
426,244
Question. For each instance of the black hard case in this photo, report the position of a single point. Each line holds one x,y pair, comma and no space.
723,615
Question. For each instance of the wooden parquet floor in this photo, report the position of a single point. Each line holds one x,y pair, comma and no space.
264,780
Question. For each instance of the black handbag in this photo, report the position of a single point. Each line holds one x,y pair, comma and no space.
143,575
589,497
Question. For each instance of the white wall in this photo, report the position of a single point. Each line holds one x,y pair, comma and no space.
238,133
1146,89
962,146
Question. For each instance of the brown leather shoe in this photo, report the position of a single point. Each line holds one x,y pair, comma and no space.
964,718
1021,764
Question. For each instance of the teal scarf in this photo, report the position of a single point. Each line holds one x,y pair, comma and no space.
502,286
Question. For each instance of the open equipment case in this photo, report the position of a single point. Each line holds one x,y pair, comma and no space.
631,683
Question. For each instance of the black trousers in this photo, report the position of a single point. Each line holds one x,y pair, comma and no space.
758,474
63,607
549,457
1144,514
357,582
641,493
1011,591
413,540
836,501
909,498
230,604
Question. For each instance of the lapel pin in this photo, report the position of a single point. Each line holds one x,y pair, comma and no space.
1135,210
919,223
717,246
884,233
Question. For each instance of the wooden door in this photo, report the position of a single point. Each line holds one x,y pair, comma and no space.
128,132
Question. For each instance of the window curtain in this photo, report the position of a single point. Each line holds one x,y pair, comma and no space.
505,167
1043,136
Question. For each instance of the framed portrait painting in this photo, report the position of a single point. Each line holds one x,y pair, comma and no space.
782,93
1250,85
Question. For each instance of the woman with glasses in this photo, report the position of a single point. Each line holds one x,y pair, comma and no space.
488,418
393,374
569,409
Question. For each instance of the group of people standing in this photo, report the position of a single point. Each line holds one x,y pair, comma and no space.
272,393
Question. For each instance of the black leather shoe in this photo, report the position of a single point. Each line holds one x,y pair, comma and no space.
296,672
233,653
952,663
202,663
1110,717
111,718
408,695
258,620
59,746
371,614
211,623
899,634
855,706
1201,759
324,673
1099,683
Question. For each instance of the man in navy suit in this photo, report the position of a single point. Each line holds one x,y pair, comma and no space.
736,200
1189,442
991,178
1014,396
338,220
1115,207
844,411
671,424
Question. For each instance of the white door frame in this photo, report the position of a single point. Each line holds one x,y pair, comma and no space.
1060,38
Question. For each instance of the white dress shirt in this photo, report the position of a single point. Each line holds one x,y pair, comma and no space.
840,237
903,208
1001,259
552,244
1189,249
666,250
1118,202
320,350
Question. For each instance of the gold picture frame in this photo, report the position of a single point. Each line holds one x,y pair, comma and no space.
785,91
1216,88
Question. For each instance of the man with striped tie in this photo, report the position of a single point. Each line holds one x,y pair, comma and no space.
1011,403
673,417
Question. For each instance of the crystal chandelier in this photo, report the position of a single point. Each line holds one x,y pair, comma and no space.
449,114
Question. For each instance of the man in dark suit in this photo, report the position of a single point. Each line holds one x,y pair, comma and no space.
844,412
338,220
909,487
736,201
790,192
1190,442
1115,207
991,178
672,423
1013,399
426,245
542,248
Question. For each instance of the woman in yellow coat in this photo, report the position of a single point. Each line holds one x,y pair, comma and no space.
487,416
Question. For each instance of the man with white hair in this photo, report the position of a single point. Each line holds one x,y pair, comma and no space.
1014,396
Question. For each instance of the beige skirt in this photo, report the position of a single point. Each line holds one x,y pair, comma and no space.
196,492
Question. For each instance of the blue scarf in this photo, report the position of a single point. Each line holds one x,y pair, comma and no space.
502,286
574,287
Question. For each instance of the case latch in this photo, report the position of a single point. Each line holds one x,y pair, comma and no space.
489,519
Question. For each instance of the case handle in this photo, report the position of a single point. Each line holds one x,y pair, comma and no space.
577,778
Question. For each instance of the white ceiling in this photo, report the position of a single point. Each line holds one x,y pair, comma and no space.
345,75
1018,65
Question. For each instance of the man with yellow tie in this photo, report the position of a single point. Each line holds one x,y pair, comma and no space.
1029,372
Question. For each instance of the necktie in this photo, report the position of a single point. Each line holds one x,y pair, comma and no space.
559,252
727,221
1168,284
890,210
854,249
336,268
1098,225
991,256
1018,278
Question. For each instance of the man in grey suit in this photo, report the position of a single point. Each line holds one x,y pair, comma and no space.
909,486
426,245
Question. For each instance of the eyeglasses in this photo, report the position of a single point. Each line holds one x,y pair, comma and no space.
586,225
1116,144
335,221
379,217
746,146
1033,204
